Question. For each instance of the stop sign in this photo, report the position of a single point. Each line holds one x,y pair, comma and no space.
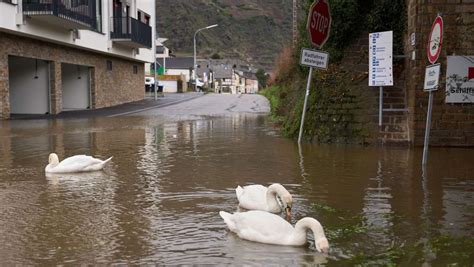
319,22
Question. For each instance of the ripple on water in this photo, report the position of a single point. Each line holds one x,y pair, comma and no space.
159,198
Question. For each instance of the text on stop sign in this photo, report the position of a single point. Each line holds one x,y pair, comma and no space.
319,22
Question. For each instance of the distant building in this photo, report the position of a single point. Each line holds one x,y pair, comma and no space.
177,66
250,82
224,79
58,55
233,76
205,73
162,52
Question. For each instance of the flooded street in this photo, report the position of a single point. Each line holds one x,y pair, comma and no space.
175,168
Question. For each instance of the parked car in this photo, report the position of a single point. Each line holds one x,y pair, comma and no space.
149,84
199,84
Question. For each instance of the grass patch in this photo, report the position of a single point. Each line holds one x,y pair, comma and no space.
323,207
272,94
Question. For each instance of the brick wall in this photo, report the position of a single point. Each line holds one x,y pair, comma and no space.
108,88
453,124
394,128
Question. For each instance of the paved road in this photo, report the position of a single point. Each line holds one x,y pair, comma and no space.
172,104
214,105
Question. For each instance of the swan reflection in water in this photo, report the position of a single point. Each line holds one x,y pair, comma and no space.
79,179
249,252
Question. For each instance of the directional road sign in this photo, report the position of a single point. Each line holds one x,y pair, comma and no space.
381,59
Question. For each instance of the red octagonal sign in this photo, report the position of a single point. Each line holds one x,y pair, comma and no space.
319,23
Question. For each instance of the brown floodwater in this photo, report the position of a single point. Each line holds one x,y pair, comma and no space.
158,199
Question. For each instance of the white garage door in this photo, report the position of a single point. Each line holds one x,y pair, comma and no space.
29,86
169,86
75,87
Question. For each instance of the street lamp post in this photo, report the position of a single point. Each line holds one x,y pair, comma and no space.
154,69
195,66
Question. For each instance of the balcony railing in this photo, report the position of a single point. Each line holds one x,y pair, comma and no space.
80,11
130,30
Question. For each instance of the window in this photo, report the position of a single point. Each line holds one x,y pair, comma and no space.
109,65
160,49
143,17
147,19
98,15
135,69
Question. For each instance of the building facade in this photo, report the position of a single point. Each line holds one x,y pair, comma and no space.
59,55
245,82
452,121
405,105
179,66
161,51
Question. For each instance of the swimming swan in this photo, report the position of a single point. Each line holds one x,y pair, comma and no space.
78,163
264,227
259,197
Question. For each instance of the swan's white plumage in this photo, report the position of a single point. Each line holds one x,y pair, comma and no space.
78,163
264,227
259,197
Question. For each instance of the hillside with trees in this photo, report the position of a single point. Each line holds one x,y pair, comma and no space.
251,30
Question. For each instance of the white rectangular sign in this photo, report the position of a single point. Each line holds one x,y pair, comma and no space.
460,79
432,77
314,58
381,59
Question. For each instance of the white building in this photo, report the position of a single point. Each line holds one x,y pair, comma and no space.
58,55
246,82
161,51
179,66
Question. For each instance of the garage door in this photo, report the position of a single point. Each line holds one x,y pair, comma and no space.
170,86
75,87
29,86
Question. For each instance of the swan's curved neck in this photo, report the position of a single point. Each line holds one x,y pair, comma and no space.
272,192
310,224
50,166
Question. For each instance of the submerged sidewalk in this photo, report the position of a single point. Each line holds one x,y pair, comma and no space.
124,109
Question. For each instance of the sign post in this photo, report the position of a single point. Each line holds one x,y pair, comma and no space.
319,27
432,72
381,63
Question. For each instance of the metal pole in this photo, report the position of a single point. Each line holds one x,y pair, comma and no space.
428,128
305,103
155,82
194,66
380,105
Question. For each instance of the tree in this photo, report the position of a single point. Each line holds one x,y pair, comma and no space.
262,78
216,56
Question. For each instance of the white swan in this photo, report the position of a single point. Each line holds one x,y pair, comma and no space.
79,163
259,197
264,227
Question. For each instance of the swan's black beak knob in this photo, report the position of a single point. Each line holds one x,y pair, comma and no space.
288,212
